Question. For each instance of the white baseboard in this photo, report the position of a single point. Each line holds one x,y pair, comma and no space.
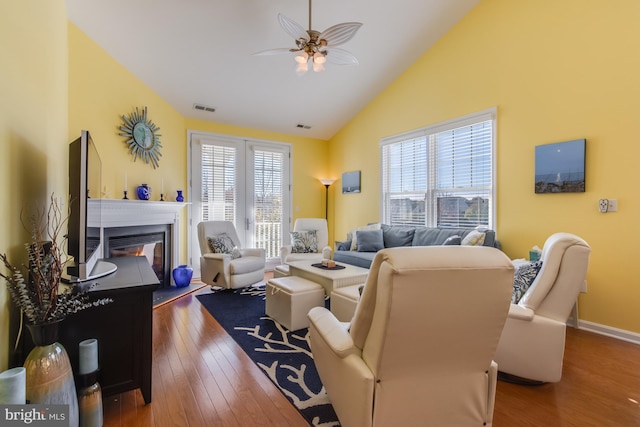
609,331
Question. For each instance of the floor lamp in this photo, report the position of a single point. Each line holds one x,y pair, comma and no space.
327,183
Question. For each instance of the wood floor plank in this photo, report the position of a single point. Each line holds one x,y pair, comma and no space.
202,377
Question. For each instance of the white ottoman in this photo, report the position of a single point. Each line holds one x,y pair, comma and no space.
344,301
281,270
289,299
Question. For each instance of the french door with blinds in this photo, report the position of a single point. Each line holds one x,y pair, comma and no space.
245,182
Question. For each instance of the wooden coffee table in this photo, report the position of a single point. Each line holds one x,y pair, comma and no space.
329,279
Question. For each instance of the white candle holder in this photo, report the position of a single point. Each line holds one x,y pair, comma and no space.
90,393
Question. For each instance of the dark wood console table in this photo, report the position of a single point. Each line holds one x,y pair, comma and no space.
123,328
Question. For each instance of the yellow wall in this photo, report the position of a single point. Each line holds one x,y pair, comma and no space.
33,126
555,71
101,91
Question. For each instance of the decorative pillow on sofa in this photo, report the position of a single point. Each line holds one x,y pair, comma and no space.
370,240
343,246
353,236
523,277
453,241
474,238
221,244
396,235
304,242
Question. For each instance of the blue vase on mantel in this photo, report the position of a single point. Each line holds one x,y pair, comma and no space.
182,275
179,197
144,192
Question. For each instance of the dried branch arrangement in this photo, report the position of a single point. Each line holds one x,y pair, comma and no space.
34,288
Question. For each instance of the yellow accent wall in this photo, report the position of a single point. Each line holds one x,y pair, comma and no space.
33,128
556,71
101,91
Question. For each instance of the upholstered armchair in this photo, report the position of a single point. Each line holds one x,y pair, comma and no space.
419,349
223,262
322,250
532,344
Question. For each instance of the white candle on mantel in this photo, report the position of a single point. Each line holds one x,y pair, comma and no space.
88,355
162,186
13,386
125,181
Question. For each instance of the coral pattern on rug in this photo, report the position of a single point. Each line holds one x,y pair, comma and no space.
283,355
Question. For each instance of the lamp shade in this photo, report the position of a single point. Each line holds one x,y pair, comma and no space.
327,181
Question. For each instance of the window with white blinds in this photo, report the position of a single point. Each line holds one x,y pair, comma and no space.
442,175
219,188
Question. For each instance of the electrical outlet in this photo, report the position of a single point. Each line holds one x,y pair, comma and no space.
603,205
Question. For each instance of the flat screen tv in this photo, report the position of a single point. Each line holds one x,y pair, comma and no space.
560,167
351,182
84,233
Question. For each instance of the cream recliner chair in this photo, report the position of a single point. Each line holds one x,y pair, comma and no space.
220,269
322,237
532,343
419,349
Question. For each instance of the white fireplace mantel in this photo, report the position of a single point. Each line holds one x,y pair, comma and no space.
131,213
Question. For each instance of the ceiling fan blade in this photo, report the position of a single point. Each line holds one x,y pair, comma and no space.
292,28
340,33
339,56
277,51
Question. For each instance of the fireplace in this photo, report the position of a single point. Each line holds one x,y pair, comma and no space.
150,241
132,227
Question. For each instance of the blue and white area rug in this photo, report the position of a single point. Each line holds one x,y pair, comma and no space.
284,356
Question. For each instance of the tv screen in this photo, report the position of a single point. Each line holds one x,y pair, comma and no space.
84,232
351,182
560,167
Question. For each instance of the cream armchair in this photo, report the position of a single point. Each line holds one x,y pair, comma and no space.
322,237
222,269
419,349
532,344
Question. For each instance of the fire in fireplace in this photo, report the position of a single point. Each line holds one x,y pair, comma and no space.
150,241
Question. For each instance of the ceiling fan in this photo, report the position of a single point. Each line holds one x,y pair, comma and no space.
317,47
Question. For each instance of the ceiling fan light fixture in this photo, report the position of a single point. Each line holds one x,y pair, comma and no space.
302,68
302,57
319,58
315,45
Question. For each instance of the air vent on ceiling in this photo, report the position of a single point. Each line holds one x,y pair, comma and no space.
203,108
301,126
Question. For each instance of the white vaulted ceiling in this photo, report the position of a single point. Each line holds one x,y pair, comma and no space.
200,52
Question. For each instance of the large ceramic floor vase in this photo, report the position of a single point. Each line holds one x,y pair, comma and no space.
48,371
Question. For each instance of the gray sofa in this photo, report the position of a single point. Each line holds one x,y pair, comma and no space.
390,236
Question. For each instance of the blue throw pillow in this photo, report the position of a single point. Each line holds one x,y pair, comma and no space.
396,235
523,277
370,240
344,246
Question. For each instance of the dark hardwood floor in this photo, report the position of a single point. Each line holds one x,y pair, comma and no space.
202,378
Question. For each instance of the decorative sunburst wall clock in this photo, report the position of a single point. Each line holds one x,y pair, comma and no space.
143,139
